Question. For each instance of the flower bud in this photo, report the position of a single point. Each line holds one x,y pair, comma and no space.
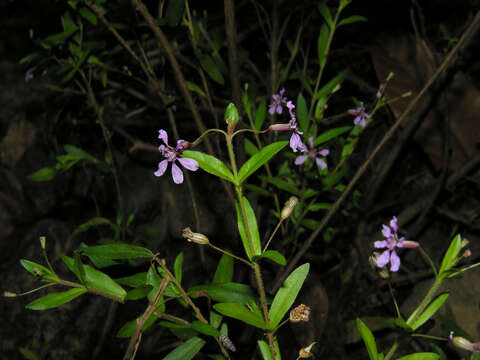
9,294
464,242
467,253
288,207
231,117
410,244
465,344
195,237
300,313
43,240
306,352
279,127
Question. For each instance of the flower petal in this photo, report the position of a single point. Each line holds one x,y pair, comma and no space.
271,108
177,174
320,163
383,259
162,134
386,231
324,152
162,166
394,224
310,142
380,244
279,109
394,261
188,164
295,142
300,159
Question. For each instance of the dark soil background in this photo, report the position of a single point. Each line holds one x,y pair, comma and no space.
427,176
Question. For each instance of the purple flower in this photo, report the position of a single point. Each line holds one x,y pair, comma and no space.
313,154
276,105
360,115
392,241
171,155
28,76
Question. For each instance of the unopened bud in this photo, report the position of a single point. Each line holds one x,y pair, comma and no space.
43,241
9,294
195,237
383,273
306,352
288,207
467,253
407,94
464,242
465,344
352,112
279,127
300,313
390,75
231,117
410,244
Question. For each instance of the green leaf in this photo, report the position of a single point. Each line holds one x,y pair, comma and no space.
44,174
258,190
177,267
138,279
260,158
226,292
56,299
351,19
224,270
98,280
451,256
28,354
92,222
37,269
287,294
250,147
281,184
322,45
174,13
260,115
88,15
187,350
252,226
138,293
116,251
195,88
265,350
129,327
302,113
211,69
368,339
30,57
240,312
421,356
331,134
205,329
274,256
329,87
210,164
319,206
327,16
430,310
73,150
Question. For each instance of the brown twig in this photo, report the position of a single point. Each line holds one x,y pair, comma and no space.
463,42
232,53
136,337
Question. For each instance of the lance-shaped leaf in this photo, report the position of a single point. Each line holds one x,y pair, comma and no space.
302,113
323,45
211,68
265,350
430,310
368,339
97,280
177,267
210,164
331,134
260,158
187,350
38,270
451,256
129,327
225,292
421,356
116,251
287,294
224,270
274,256
205,329
252,227
260,115
56,299
352,19
240,312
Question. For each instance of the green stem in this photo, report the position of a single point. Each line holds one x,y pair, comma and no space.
230,254
426,300
256,266
392,351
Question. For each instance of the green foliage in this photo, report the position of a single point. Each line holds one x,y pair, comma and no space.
187,350
252,228
368,339
54,300
210,164
240,312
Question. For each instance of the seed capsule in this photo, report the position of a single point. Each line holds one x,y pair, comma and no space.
195,237
288,207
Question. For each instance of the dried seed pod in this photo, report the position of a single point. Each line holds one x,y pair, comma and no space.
195,237
227,343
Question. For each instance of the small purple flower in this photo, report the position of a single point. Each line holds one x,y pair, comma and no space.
313,154
360,115
28,76
278,101
171,155
392,241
